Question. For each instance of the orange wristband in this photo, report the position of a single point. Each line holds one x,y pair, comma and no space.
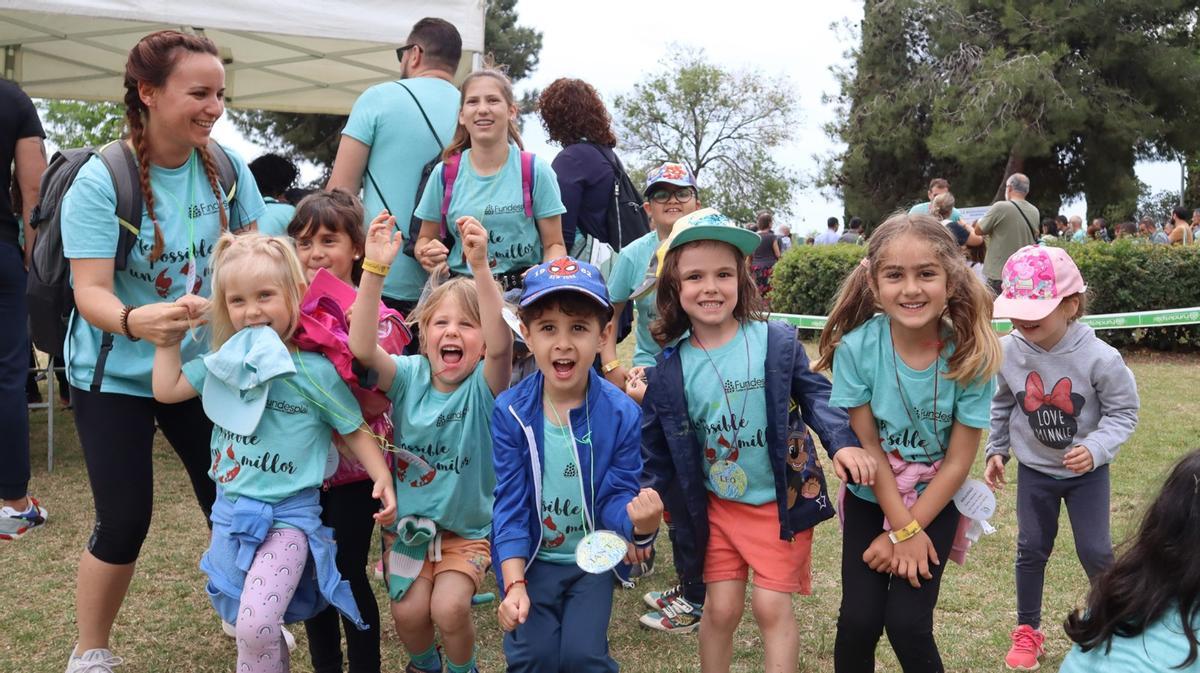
514,583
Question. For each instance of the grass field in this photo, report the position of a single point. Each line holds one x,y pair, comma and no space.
167,624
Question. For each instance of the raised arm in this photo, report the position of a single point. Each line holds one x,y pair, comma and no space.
382,244
497,337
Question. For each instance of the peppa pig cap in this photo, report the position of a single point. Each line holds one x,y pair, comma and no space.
1034,282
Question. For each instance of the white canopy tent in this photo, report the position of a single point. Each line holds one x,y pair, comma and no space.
313,56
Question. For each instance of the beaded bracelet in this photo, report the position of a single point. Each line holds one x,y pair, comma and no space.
125,323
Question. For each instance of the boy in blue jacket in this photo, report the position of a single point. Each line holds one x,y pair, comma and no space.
567,451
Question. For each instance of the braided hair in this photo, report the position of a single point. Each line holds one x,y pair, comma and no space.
151,61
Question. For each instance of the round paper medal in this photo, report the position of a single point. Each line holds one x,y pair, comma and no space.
728,479
600,551
975,500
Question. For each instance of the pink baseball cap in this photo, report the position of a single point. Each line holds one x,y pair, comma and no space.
1034,282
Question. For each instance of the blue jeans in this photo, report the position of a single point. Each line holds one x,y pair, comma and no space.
567,627
14,366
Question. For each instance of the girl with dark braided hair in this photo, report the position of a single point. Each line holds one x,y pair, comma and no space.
174,93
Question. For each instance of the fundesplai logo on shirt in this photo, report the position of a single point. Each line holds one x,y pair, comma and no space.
504,210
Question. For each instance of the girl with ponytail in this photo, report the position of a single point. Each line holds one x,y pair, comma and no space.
174,93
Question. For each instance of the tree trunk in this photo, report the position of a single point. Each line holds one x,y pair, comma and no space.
1191,194
1016,164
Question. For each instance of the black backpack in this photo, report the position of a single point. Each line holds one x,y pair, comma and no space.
51,298
414,224
625,219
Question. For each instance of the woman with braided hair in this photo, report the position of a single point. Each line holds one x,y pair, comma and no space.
174,93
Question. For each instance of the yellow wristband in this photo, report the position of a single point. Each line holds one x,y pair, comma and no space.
375,267
905,533
608,367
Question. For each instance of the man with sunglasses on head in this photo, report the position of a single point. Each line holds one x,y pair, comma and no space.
394,129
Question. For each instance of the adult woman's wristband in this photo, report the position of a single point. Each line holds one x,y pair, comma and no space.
371,266
125,323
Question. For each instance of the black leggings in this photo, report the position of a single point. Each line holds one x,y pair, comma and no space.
117,434
347,509
873,601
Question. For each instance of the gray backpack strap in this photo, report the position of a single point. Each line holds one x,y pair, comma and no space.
227,175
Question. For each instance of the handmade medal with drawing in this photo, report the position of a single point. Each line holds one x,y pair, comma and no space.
600,551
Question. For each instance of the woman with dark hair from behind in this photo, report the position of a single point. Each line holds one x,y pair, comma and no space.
575,117
1143,613
275,175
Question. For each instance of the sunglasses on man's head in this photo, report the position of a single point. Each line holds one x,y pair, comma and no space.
400,50
681,195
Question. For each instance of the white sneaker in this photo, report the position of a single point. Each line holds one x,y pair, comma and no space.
231,631
93,661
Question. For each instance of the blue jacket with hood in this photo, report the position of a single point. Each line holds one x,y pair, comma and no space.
612,469
673,454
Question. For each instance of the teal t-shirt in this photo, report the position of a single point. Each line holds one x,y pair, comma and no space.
386,119
563,524
863,373
498,203
923,209
729,414
189,217
627,275
276,219
286,453
1161,647
452,432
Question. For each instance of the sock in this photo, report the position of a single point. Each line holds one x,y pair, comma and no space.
428,660
461,668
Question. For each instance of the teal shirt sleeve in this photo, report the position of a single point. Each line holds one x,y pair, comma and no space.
973,406
430,205
407,367
89,220
195,372
547,198
361,124
850,388
621,279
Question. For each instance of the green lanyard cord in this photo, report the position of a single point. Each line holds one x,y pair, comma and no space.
588,517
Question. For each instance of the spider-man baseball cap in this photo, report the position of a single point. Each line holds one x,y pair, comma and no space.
565,274
1034,282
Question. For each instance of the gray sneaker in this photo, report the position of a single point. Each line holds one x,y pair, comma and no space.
14,524
93,661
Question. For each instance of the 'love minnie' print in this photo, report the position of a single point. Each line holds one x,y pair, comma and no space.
1051,416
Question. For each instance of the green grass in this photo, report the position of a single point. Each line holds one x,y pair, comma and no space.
167,624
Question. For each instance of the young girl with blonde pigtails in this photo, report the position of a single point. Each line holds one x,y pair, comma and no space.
273,408
913,353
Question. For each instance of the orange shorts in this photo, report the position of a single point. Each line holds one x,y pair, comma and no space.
469,557
742,536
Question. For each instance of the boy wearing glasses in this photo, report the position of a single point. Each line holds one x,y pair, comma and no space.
671,192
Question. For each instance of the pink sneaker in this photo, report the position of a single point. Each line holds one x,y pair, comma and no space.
1026,649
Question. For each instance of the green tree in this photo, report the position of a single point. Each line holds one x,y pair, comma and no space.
722,125
75,123
315,136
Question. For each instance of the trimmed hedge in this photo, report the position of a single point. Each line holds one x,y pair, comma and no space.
1122,277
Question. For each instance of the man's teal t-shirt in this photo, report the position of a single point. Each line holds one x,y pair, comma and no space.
452,432
276,219
563,524
727,405
1162,646
923,209
863,373
189,216
386,119
627,274
498,203
286,453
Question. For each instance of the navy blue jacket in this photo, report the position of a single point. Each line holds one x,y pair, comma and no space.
585,184
612,469
672,454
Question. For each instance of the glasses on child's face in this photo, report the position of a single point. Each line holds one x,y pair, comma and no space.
681,195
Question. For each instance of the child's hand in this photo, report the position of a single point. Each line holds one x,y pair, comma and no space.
196,307
431,253
474,242
514,609
878,555
993,474
855,462
912,558
383,239
635,554
645,511
636,389
1078,460
385,492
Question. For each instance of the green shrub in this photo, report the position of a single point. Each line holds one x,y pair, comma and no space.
1122,277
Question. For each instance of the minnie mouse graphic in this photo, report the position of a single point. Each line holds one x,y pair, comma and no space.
1052,417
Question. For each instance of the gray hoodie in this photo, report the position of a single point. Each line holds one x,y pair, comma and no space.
1078,393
